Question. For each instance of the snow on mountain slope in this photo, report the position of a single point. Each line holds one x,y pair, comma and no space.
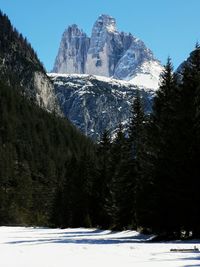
79,247
95,103
105,71
148,75
108,53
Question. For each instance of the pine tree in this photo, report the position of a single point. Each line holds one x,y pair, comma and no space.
163,143
136,131
105,178
128,170
136,147
136,124
190,96
119,155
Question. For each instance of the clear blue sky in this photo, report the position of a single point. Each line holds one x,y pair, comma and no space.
168,27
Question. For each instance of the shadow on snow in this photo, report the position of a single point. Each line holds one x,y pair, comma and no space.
81,237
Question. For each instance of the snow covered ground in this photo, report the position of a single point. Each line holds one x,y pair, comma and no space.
40,247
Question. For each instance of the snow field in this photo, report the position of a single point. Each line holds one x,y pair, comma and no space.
43,247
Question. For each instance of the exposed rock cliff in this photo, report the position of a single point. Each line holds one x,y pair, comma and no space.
108,53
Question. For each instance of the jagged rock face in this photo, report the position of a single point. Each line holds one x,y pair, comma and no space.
72,52
108,53
132,59
96,103
99,57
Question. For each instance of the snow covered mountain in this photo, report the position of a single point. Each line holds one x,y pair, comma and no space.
96,78
108,53
95,103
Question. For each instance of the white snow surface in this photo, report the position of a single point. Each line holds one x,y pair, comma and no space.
89,76
43,247
143,79
109,80
148,76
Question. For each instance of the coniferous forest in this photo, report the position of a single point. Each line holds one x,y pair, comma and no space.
146,179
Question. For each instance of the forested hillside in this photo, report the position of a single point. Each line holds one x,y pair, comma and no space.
37,153
20,65
37,148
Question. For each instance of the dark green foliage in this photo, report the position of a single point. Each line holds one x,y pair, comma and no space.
119,153
38,152
13,44
155,170
164,139
126,160
104,181
171,176
190,125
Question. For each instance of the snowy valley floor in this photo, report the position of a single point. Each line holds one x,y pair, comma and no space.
39,247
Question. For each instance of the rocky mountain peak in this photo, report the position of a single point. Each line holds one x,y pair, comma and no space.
74,31
73,50
105,22
108,53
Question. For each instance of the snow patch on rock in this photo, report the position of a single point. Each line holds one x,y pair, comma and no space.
95,103
148,76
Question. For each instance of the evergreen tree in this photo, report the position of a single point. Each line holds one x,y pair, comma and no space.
128,174
189,118
105,178
196,146
136,145
163,156
119,167
136,125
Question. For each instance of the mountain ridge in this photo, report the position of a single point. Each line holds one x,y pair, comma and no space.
95,103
